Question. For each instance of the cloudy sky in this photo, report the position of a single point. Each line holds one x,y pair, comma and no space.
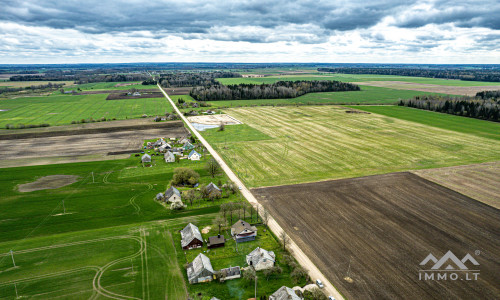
388,31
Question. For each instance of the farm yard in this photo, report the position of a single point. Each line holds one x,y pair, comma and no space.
303,144
78,145
64,109
368,235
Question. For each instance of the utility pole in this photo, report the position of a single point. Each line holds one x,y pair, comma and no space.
64,207
12,255
256,286
15,286
93,177
132,265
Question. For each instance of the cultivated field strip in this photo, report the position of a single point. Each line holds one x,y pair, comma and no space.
376,230
314,143
479,181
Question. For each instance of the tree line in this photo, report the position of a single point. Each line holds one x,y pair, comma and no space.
470,75
472,107
277,90
181,79
81,77
32,87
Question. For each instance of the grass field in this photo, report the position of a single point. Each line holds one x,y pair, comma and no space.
367,95
317,142
63,109
446,121
118,192
137,260
355,78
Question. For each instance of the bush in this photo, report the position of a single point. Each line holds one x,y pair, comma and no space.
74,122
10,126
185,176
144,116
21,126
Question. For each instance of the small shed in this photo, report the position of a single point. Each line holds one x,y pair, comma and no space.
216,241
230,273
213,190
187,146
242,231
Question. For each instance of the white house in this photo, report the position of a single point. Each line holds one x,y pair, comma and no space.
261,259
194,155
169,157
172,195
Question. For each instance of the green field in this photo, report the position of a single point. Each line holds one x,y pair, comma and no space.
112,86
137,260
355,78
446,121
120,192
63,109
367,95
317,143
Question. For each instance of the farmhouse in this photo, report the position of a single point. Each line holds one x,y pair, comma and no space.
200,270
213,190
164,147
172,195
261,259
169,157
284,293
188,146
230,273
216,241
242,231
177,151
146,159
193,155
183,140
191,237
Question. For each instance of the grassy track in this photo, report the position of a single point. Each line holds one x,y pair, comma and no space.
112,86
63,109
355,78
445,121
315,143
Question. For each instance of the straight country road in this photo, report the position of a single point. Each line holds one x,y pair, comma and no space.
301,257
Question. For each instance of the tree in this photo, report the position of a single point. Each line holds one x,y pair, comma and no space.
213,167
184,176
298,273
271,271
220,221
288,260
189,196
265,217
314,294
250,274
222,127
284,239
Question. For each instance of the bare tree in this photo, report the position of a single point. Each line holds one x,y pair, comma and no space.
213,167
265,217
284,239
220,221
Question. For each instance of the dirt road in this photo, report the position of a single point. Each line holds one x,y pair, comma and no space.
313,271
